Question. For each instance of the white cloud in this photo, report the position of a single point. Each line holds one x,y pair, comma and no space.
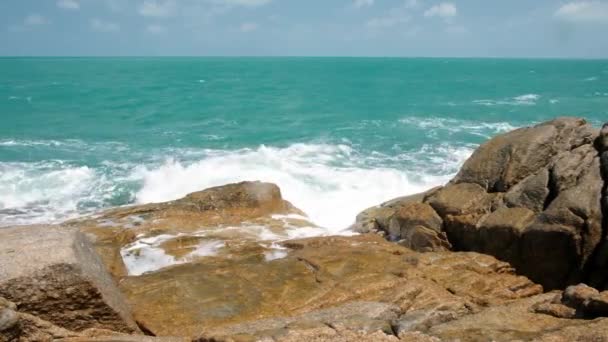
583,12
156,29
248,27
104,26
35,19
68,4
443,10
157,9
363,3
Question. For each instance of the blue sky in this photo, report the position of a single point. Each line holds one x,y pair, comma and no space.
459,28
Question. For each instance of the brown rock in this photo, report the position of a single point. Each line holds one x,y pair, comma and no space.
563,238
515,321
422,239
507,159
596,330
366,317
500,233
555,309
378,217
57,276
417,226
462,231
531,192
176,231
318,279
460,199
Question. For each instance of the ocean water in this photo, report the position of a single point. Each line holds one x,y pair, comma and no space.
338,135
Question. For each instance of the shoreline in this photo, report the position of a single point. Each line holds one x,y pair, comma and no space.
498,252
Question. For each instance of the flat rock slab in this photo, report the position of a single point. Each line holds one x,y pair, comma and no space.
227,294
53,272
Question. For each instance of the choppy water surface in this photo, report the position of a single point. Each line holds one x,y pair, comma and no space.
336,134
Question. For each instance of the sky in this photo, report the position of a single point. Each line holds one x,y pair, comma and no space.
412,28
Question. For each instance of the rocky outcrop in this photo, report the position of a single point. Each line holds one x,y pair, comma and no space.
408,221
54,273
139,239
534,197
314,282
577,301
18,326
229,264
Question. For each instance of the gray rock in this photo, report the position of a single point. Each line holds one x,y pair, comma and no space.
53,272
357,316
8,319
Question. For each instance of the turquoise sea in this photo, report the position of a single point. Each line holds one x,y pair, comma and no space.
336,134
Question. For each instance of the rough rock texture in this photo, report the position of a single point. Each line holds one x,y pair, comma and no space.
407,220
418,227
54,273
507,159
577,301
179,230
534,197
329,273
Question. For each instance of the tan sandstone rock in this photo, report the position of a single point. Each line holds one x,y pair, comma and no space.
53,272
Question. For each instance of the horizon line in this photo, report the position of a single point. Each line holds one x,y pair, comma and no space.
309,56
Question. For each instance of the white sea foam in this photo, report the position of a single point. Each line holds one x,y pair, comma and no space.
521,100
52,191
527,98
440,125
331,183
325,181
146,255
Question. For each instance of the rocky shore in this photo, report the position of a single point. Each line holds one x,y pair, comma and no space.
514,248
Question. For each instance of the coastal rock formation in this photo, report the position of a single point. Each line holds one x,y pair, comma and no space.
245,293
23,327
466,261
53,272
139,239
532,197
577,301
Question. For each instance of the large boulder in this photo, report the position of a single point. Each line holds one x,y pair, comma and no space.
54,273
407,220
419,227
507,159
144,238
534,197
